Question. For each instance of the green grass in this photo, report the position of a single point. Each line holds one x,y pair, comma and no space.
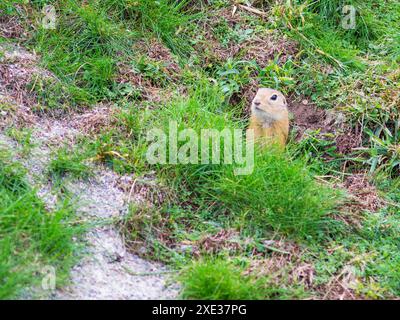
23,137
281,207
219,279
91,39
256,200
69,162
281,194
371,253
162,19
82,50
255,204
31,237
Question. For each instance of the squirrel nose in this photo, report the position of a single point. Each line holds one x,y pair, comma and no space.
257,103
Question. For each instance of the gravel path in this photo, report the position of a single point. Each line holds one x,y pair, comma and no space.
107,271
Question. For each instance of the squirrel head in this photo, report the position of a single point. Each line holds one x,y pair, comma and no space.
269,104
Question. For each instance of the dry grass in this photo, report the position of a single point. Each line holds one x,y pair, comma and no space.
11,27
18,71
363,192
18,116
223,240
95,121
151,89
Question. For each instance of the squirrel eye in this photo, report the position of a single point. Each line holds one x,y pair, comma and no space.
274,97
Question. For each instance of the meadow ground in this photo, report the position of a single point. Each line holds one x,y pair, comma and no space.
318,221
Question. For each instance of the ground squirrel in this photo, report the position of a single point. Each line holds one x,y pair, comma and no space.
269,117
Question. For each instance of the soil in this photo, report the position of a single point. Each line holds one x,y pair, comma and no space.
307,116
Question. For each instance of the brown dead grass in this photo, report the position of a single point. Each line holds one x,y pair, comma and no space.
95,121
364,193
283,263
362,196
14,115
268,46
223,240
149,223
340,287
147,191
262,47
18,70
11,27
143,229
210,48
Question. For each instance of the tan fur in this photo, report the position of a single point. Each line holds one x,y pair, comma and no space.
269,118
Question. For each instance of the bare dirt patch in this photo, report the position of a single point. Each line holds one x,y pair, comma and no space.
18,70
94,121
365,194
307,116
110,271
11,27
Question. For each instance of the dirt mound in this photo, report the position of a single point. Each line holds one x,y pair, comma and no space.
306,116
